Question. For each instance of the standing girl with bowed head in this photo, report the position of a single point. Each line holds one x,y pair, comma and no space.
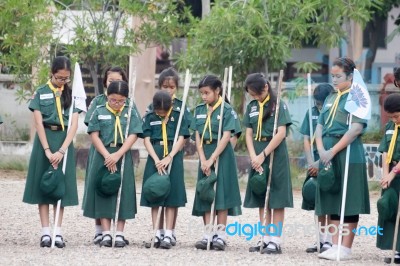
390,182
110,74
320,93
159,128
332,137
106,128
50,106
206,126
259,121
168,81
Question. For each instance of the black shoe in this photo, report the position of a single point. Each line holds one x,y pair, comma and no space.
257,248
166,244
325,247
314,248
106,242
276,249
120,243
202,244
389,260
97,238
58,243
45,241
173,240
219,244
157,243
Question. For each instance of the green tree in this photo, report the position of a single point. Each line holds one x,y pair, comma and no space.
258,35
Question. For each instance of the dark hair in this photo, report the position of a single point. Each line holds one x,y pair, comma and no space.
256,83
214,83
115,69
166,74
322,91
397,77
391,104
119,87
346,64
63,63
162,101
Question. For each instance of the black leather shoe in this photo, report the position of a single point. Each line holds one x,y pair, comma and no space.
106,242
120,243
59,244
45,241
157,243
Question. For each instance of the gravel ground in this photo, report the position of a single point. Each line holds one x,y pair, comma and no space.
20,235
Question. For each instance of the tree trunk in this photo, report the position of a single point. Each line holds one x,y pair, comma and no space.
375,24
93,68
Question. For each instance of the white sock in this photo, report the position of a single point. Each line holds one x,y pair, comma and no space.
266,239
98,229
169,234
173,232
397,255
162,231
46,231
321,238
276,240
222,235
119,233
58,230
158,234
345,250
328,238
106,237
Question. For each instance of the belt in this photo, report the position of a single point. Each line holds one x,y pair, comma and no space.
338,136
160,142
209,141
113,145
265,138
54,127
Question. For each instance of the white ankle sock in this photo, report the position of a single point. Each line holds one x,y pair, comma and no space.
106,233
345,250
58,231
45,231
169,234
328,238
158,234
162,231
98,229
266,239
276,240
173,232
321,238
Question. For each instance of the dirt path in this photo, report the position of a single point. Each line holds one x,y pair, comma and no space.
20,234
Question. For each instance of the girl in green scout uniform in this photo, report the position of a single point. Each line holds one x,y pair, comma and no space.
390,182
107,127
159,127
206,126
259,121
320,94
110,74
169,81
50,106
332,137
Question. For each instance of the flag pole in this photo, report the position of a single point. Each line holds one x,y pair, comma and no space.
186,87
77,84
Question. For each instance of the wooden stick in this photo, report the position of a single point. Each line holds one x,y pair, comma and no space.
271,160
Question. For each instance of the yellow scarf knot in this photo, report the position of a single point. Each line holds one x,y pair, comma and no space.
210,110
164,131
260,117
57,93
334,106
117,125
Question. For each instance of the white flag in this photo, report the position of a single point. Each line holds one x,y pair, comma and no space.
78,91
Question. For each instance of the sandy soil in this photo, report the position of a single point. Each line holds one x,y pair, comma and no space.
20,235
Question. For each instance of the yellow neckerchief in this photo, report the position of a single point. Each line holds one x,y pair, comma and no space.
57,93
208,120
117,125
164,131
260,117
392,144
334,107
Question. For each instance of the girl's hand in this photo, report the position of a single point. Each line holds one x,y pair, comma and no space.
257,161
164,162
326,156
48,154
56,158
387,179
160,168
112,168
313,169
111,160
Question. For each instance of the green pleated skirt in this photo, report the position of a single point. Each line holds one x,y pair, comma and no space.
39,163
227,195
281,195
96,206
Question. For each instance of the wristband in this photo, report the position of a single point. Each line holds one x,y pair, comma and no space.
265,156
61,151
47,149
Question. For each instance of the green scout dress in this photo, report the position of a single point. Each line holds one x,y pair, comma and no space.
45,102
281,195
152,127
98,101
385,241
227,191
305,130
357,199
96,206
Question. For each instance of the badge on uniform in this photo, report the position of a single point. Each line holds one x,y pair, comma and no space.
253,108
172,119
178,108
218,117
126,115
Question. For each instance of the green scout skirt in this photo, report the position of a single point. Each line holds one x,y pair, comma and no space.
385,241
92,150
227,193
357,199
96,206
177,194
281,195
39,163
